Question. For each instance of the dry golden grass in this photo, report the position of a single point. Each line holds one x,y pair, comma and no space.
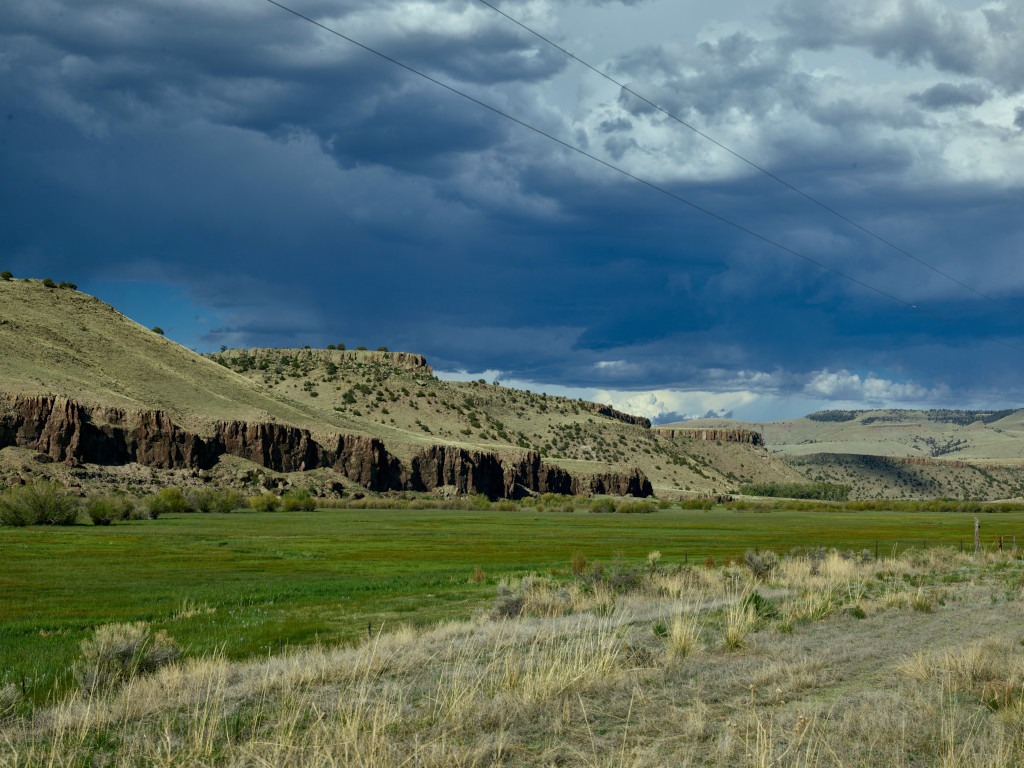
581,679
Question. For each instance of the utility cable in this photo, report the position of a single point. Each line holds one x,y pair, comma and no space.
652,185
751,163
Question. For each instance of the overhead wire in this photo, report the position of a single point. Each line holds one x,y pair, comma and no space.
751,163
729,222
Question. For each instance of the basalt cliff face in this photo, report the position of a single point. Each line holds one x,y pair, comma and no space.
70,432
747,436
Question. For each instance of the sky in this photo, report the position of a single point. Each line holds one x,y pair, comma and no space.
241,177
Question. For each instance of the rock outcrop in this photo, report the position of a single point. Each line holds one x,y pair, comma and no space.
607,410
67,431
747,436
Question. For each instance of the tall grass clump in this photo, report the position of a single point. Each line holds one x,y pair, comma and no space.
684,636
42,503
10,697
117,652
740,619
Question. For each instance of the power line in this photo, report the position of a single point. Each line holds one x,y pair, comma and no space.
652,185
751,163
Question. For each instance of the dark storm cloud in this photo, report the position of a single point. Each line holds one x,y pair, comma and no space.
949,96
311,193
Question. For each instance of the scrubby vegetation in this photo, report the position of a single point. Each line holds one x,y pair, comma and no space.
41,503
823,491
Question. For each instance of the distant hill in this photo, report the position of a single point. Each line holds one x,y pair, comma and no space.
80,383
988,436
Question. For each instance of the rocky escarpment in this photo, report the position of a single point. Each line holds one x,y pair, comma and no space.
67,431
747,436
408,360
607,410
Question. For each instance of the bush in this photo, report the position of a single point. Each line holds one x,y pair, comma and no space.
602,506
106,509
265,502
118,652
761,564
296,500
68,285
166,501
207,500
42,503
5,275
229,501
48,282
202,500
635,507
158,329
507,605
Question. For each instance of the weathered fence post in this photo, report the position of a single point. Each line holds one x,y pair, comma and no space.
1000,543
977,536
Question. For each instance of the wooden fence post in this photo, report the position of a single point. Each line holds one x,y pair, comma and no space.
977,536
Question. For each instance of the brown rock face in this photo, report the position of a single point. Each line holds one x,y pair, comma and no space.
747,436
67,431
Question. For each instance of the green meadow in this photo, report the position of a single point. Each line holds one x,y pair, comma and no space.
251,583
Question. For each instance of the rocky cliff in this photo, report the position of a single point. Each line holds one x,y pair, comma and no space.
607,410
747,436
73,433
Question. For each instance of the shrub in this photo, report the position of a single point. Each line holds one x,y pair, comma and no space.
229,501
382,349
105,509
602,505
295,500
118,652
68,285
507,605
158,329
265,502
42,503
761,564
166,501
202,500
48,282
634,507
479,575
579,563
5,275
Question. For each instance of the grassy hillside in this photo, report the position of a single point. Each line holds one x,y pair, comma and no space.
398,398
62,342
58,341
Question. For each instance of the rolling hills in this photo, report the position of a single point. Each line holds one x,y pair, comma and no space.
91,394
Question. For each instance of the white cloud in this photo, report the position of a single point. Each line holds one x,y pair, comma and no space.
870,389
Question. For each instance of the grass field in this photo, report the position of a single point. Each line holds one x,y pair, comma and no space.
249,584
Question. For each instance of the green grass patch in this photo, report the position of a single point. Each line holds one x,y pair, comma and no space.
254,582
